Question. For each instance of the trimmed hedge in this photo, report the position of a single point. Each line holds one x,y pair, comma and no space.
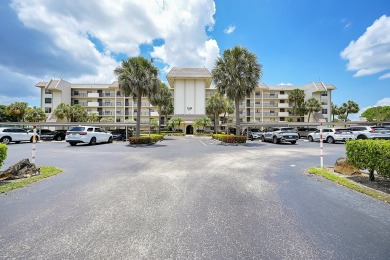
153,138
373,155
3,153
230,139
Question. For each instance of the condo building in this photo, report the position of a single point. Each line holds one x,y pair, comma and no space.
191,88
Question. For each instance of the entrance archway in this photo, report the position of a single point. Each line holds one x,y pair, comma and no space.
189,130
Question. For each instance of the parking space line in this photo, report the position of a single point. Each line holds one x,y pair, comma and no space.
203,143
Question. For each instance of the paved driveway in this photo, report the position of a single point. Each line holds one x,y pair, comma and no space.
189,198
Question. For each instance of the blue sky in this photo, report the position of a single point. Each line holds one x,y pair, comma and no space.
344,43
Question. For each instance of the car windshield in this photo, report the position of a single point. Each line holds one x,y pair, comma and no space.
288,130
255,130
343,130
77,128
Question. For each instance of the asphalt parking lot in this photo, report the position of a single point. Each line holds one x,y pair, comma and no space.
189,198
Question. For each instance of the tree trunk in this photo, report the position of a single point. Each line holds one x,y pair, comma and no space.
215,123
308,119
139,97
371,177
238,124
159,120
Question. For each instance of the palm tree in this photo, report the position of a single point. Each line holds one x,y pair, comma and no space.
161,98
167,109
93,117
229,109
350,107
17,109
107,120
63,111
312,106
297,98
34,114
236,74
215,105
77,113
335,110
137,76
179,121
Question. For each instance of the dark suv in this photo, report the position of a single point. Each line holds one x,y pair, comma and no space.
120,134
47,134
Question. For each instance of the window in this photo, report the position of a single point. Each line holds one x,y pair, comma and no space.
48,91
48,100
97,130
118,93
118,120
47,109
75,102
90,129
76,93
324,111
282,119
324,93
281,92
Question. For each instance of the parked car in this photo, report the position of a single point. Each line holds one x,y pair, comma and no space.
280,134
120,134
59,135
370,132
47,134
87,134
253,133
332,135
17,135
305,131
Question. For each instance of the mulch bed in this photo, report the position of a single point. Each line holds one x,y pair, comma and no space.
380,184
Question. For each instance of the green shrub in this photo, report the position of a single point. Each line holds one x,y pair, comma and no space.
373,155
156,137
230,139
153,138
3,153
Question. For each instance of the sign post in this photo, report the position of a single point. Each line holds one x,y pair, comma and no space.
34,144
321,145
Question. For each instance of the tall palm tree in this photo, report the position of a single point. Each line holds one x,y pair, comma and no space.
78,113
229,109
348,108
137,76
167,109
63,111
162,97
237,74
34,114
312,106
297,98
215,106
335,110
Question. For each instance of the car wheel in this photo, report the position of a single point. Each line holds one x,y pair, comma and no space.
299,136
251,137
330,140
275,139
262,138
93,141
293,142
110,140
5,140
310,138
72,144
361,137
58,138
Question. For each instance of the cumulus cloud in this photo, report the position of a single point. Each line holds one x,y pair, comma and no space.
59,38
230,29
370,54
285,84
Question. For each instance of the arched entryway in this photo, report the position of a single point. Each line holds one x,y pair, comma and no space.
189,130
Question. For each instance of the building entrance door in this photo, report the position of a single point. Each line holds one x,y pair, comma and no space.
189,130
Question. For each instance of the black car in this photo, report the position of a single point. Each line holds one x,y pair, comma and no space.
47,134
120,134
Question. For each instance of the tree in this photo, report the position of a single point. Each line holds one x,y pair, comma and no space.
202,122
92,117
312,105
377,114
229,109
335,111
297,98
215,106
107,120
161,98
348,108
236,74
17,109
137,77
63,111
78,113
4,116
154,124
167,109
34,114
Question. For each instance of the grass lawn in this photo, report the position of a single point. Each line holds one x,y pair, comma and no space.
350,184
46,171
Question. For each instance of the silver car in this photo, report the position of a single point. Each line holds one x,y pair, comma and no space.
280,134
332,135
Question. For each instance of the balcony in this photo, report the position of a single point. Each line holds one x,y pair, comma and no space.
93,95
93,104
270,96
283,96
283,105
283,114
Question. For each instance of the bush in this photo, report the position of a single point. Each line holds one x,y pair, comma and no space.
230,139
153,138
3,153
373,155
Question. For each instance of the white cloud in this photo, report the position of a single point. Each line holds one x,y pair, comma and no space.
285,84
382,102
230,29
121,27
370,54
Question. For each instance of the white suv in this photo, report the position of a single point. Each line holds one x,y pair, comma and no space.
87,134
332,135
370,132
16,135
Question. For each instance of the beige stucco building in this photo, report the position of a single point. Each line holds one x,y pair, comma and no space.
191,88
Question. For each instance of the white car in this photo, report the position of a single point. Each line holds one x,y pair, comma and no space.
370,132
87,134
332,135
17,135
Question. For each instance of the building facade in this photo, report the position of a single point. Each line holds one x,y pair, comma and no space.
191,88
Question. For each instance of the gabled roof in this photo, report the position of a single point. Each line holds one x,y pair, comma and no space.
189,73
